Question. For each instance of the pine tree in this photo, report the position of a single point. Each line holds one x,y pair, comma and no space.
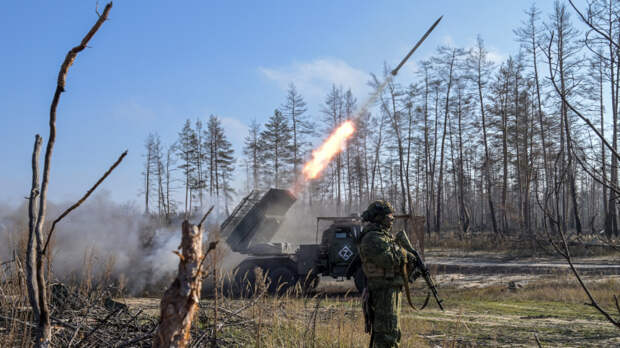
199,182
276,145
294,109
186,153
253,153
220,161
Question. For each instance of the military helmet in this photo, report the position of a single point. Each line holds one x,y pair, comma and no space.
377,210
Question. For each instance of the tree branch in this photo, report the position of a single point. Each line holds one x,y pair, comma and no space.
60,88
593,302
591,25
565,252
205,216
570,106
78,203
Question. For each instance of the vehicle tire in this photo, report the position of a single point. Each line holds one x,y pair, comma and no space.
360,279
281,278
309,283
245,279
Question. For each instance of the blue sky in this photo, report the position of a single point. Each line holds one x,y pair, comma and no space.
156,63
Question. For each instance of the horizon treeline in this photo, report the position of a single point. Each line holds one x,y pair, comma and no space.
515,146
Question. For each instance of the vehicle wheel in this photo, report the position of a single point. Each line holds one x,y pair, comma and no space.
281,278
360,279
309,283
245,279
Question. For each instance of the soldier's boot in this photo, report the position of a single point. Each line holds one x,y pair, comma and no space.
386,340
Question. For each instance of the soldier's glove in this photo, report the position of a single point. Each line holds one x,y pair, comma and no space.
415,274
401,254
413,267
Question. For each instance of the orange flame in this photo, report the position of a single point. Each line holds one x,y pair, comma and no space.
332,146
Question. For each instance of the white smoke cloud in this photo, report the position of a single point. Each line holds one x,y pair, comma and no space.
314,78
100,234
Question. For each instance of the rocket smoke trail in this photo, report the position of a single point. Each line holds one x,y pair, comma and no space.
338,139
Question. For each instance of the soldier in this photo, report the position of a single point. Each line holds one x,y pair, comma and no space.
382,260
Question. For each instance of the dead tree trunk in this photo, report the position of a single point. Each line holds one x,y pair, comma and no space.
487,159
31,252
443,140
180,301
40,305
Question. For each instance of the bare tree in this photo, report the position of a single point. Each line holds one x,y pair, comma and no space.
602,39
39,303
563,61
481,68
447,61
148,168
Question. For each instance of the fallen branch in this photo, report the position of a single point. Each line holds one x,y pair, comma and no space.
102,323
249,304
17,321
64,323
135,340
73,337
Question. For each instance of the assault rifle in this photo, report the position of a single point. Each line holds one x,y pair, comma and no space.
402,240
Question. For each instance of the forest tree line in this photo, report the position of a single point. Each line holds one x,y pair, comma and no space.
513,146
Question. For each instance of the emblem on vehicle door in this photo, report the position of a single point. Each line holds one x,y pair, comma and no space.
345,253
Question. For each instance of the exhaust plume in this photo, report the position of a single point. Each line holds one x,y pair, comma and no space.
332,146
337,140
335,143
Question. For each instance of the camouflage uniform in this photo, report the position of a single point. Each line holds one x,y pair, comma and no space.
381,262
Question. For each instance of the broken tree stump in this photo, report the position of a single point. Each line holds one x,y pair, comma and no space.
180,301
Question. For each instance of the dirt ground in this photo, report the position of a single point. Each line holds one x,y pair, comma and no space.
502,303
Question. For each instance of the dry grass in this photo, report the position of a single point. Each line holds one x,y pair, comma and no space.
490,316
15,314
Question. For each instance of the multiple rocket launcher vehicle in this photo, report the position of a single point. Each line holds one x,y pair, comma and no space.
256,220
